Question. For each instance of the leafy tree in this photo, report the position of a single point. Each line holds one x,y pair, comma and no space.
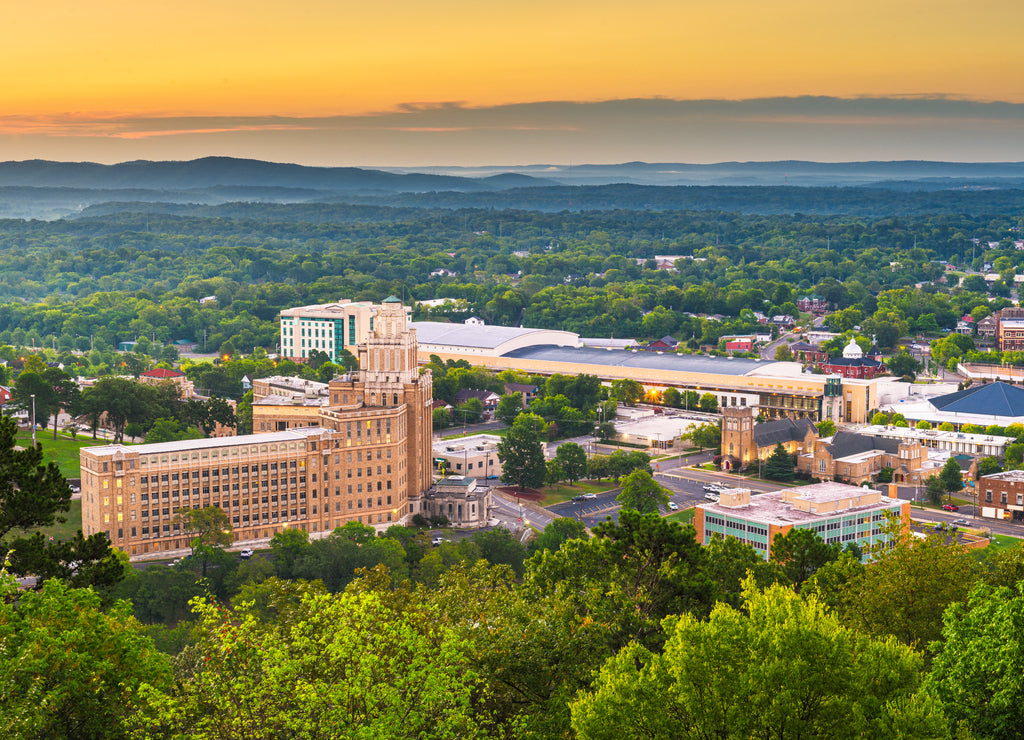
554,474
783,353
977,666
556,533
573,460
442,418
903,365
631,573
672,397
471,412
708,403
208,528
779,465
922,425
641,493
509,407
934,489
521,453
359,664
909,586
812,678
988,466
35,495
1015,454
800,553
826,428
31,384
499,546
951,477
705,435
606,430
730,561
1004,566
628,391
169,430
880,419
69,668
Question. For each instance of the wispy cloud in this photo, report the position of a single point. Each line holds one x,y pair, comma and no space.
651,129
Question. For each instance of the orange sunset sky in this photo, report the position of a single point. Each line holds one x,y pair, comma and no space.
336,82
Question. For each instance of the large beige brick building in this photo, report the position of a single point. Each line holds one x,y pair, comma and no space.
364,455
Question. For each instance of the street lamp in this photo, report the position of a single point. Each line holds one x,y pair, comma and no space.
33,419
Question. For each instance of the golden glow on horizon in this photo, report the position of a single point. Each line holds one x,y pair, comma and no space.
324,57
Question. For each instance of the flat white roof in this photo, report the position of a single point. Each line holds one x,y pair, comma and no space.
451,446
188,445
771,508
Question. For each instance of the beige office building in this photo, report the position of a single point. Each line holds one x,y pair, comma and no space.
368,459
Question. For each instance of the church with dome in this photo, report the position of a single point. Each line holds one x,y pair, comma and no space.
854,363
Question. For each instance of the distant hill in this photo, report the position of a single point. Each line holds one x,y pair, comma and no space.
47,190
790,172
228,171
44,189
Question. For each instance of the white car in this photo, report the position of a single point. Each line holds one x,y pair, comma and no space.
245,554
589,496
672,505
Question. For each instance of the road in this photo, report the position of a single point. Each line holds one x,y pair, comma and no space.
975,520
685,486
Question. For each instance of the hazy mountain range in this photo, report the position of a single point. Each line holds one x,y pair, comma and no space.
46,189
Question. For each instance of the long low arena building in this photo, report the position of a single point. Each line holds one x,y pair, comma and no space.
777,388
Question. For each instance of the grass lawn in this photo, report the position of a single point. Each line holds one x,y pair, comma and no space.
66,530
63,450
495,432
564,492
683,517
1001,541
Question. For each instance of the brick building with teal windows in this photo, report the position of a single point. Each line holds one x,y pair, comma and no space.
839,513
330,328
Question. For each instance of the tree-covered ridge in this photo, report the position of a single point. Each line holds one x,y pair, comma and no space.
125,276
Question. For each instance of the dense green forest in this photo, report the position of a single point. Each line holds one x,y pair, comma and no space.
95,281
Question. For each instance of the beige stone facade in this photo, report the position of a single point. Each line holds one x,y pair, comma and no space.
833,462
368,459
461,500
798,396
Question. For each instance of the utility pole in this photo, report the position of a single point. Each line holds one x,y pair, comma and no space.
33,420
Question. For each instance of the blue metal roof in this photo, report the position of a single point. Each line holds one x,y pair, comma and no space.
993,399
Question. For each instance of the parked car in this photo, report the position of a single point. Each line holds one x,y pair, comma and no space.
437,540
589,496
951,507
673,505
711,496
961,522
245,554
578,498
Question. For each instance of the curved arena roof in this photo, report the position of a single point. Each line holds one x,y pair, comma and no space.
657,361
495,341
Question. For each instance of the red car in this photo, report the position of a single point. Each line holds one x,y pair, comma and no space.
950,507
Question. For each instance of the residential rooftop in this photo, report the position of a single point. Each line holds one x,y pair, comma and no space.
1009,475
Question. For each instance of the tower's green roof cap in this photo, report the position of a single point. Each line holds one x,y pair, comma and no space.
392,299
